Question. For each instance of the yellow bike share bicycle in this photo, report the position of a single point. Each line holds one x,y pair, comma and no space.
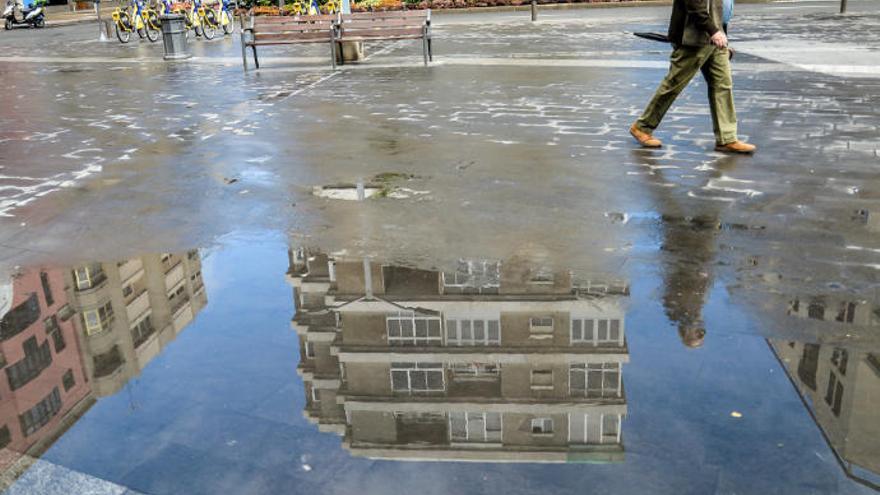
136,18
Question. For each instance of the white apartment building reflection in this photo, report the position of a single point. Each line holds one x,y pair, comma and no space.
840,386
131,310
491,362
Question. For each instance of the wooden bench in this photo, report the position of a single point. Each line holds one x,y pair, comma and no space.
374,26
266,30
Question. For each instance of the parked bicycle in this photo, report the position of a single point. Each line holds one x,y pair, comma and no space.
225,16
200,19
138,18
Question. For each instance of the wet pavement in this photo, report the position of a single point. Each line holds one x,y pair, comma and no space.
198,303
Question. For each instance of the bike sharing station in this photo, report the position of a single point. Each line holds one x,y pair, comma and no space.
145,19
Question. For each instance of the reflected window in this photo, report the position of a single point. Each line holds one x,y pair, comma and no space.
474,371
541,325
87,277
5,436
809,365
20,317
816,311
610,428
54,332
141,332
578,428
39,415
310,350
417,377
406,328
475,427
847,312
542,380
873,363
473,277
834,393
839,359
595,380
36,359
68,380
542,426
47,289
604,332
542,276
473,332
98,320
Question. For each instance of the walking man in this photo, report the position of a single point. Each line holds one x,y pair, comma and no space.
697,31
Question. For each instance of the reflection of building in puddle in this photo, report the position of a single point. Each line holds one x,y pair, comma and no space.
494,362
72,335
839,386
131,310
853,312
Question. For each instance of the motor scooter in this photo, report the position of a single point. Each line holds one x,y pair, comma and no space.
16,13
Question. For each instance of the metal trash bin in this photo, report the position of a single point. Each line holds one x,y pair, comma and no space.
174,37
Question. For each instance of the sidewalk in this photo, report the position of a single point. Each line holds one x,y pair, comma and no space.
59,15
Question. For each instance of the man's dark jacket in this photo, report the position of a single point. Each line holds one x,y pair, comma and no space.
693,22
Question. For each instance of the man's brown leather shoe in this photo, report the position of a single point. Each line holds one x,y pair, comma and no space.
736,147
645,139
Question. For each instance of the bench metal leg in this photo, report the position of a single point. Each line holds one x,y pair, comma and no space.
256,60
425,49
243,52
243,41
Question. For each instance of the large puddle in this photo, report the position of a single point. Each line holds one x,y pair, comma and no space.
261,365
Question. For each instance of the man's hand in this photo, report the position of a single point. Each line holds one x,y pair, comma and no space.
719,39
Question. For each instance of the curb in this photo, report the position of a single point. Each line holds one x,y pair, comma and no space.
70,22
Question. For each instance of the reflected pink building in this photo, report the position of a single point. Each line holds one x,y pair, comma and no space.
43,388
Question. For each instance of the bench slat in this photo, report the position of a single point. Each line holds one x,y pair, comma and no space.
286,42
285,28
382,24
381,38
380,33
317,36
275,19
327,22
386,15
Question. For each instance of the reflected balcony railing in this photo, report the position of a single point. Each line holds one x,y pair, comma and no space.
178,305
107,363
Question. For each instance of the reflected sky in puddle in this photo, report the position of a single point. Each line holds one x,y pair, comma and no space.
184,373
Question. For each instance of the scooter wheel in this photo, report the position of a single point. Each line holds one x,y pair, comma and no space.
40,23
8,24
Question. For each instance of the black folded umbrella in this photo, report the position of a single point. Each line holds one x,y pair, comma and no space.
653,37
665,39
